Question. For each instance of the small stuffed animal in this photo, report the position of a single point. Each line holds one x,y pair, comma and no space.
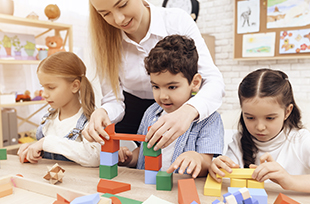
54,44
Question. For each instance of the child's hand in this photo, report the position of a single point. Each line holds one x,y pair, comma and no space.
223,162
124,156
191,160
34,151
22,152
270,169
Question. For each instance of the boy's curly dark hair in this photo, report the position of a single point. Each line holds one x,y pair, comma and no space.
174,53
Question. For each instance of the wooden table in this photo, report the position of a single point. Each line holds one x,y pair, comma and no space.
86,179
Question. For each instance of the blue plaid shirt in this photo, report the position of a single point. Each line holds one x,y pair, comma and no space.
206,136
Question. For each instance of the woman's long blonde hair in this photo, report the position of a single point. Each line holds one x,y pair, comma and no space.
70,67
106,43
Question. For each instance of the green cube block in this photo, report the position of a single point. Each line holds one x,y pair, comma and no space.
122,199
150,152
164,181
108,172
3,154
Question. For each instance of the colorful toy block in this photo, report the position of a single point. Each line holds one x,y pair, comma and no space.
153,163
61,200
122,199
108,172
110,129
239,183
150,152
3,154
212,187
230,200
115,200
283,199
225,195
108,158
245,193
250,201
104,200
187,191
113,187
110,145
164,181
255,184
217,202
6,189
245,173
88,199
259,194
194,202
150,177
238,196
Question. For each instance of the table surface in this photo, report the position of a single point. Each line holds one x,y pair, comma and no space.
85,180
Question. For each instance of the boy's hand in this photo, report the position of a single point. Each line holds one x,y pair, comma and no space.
171,126
191,160
223,162
124,156
270,169
22,152
34,151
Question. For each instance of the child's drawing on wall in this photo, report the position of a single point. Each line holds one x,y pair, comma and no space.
288,13
248,16
294,41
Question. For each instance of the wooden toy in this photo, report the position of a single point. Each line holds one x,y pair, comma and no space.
150,177
153,163
3,154
113,187
187,191
115,200
108,172
212,187
245,173
240,183
54,174
231,199
259,194
164,181
254,184
283,199
122,199
155,200
108,158
61,200
6,189
88,199
150,152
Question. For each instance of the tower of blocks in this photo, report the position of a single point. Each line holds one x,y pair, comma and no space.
238,178
3,155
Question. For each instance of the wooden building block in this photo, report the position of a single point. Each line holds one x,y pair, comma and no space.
245,173
62,199
150,152
108,172
104,200
115,200
245,193
6,189
122,199
283,199
250,201
150,177
254,184
225,195
153,163
238,196
187,191
239,183
108,158
113,187
164,181
88,199
131,137
259,194
110,145
3,154
231,200
211,187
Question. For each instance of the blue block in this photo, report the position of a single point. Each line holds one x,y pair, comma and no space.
238,196
108,158
150,177
194,202
89,199
258,193
216,201
225,195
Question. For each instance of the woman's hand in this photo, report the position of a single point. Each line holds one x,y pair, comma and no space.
171,126
98,121
223,162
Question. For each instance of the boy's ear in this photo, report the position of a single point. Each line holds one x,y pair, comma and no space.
288,111
75,86
196,82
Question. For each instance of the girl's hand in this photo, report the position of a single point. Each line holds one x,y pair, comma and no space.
124,156
22,152
191,160
270,169
223,162
34,151
171,126
98,121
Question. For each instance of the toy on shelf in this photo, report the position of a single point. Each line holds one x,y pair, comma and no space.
23,97
37,96
33,15
54,174
54,44
52,12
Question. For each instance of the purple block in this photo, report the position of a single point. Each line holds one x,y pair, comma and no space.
108,158
150,177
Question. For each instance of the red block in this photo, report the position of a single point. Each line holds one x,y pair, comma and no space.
115,200
187,191
112,187
153,163
61,200
283,199
110,145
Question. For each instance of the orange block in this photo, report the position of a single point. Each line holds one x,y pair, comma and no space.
61,200
187,191
112,187
6,189
133,137
115,200
110,145
153,163
283,199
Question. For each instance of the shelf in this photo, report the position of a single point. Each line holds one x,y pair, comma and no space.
11,147
2,61
26,103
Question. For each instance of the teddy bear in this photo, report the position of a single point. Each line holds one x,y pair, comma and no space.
54,44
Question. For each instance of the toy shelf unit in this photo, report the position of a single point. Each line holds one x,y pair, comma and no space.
49,26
